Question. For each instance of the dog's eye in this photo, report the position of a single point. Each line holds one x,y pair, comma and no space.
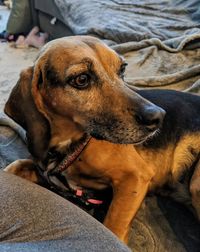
122,70
80,81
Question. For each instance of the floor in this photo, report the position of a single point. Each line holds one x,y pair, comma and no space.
12,61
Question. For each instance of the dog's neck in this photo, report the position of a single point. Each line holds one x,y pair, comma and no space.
63,132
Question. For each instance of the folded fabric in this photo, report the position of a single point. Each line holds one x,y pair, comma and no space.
131,20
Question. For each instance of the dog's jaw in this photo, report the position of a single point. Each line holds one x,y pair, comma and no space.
121,134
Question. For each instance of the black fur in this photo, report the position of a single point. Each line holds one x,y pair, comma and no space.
53,78
182,115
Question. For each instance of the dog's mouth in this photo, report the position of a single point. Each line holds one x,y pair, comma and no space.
147,138
137,137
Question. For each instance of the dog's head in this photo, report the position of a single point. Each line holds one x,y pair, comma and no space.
76,86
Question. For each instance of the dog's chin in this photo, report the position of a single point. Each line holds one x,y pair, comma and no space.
120,139
97,136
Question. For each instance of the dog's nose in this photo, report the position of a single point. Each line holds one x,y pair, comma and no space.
151,117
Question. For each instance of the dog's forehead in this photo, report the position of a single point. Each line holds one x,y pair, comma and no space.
72,50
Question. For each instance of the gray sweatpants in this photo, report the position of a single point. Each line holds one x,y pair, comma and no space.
35,219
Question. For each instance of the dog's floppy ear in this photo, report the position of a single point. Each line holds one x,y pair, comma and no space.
22,109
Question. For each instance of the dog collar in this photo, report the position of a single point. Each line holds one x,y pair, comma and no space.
71,156
53,179
84,198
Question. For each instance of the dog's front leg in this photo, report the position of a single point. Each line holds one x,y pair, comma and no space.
128,194
24,168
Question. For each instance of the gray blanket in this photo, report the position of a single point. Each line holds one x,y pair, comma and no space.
131,20
159,39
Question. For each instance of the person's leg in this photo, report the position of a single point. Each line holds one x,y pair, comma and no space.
20,19
43,221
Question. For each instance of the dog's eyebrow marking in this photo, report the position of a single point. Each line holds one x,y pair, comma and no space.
87,60
84,65
77,69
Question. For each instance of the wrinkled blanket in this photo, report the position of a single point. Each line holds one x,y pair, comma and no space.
131,20
159,39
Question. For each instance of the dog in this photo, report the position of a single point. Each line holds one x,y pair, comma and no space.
74,102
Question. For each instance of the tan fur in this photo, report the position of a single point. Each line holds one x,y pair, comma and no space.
24,168
141,170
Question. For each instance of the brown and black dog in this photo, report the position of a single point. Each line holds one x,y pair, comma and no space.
75,91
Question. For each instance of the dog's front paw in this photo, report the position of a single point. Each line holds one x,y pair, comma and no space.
24,168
